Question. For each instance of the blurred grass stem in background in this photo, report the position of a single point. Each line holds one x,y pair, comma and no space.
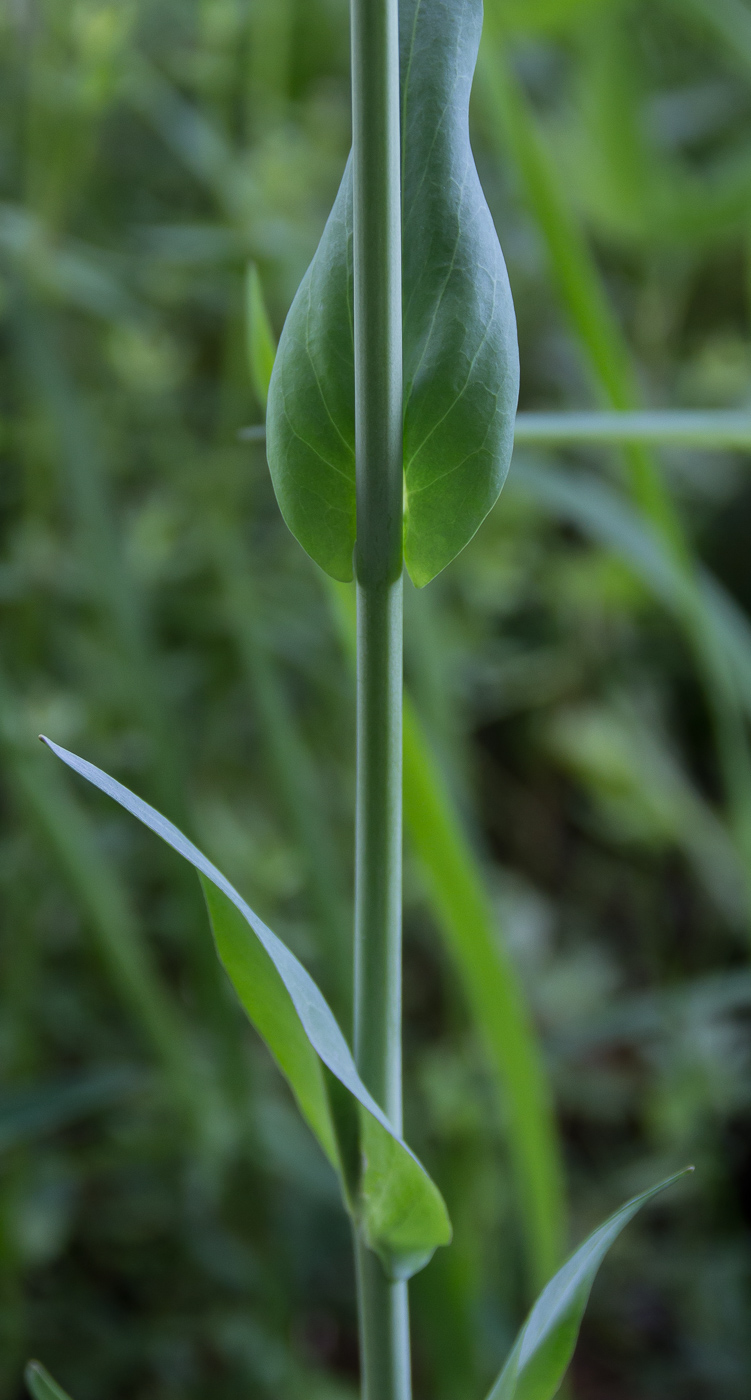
668,428
384,1321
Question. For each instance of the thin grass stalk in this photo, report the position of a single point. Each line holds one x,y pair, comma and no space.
383,1311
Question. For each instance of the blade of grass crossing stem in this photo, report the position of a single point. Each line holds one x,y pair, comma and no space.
700,430
543,1349
456,890
580,286
398,1209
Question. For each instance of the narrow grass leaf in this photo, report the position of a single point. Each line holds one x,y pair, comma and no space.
543,1349
41,1385
398,1207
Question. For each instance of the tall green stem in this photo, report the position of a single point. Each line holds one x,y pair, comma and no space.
384,1326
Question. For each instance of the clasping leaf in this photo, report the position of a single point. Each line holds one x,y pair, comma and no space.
460,352
397,1207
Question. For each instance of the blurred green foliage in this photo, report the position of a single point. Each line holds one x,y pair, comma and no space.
167,1226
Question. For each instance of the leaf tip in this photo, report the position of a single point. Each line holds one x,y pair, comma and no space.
36,1379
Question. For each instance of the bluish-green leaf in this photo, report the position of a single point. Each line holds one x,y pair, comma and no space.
460,352
543,1349
461,368
398,1208
41,1384
310,419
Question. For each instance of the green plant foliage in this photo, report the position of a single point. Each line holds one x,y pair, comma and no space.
461,906
397,1206
192,1237
543,1349
41,1383
454,882
460,356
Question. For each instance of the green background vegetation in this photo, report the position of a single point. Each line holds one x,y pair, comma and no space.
582,673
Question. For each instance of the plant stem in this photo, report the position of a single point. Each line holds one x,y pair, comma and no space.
384,1326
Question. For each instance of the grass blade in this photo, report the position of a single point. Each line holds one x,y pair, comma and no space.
400,1210
41,1384
543,1349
